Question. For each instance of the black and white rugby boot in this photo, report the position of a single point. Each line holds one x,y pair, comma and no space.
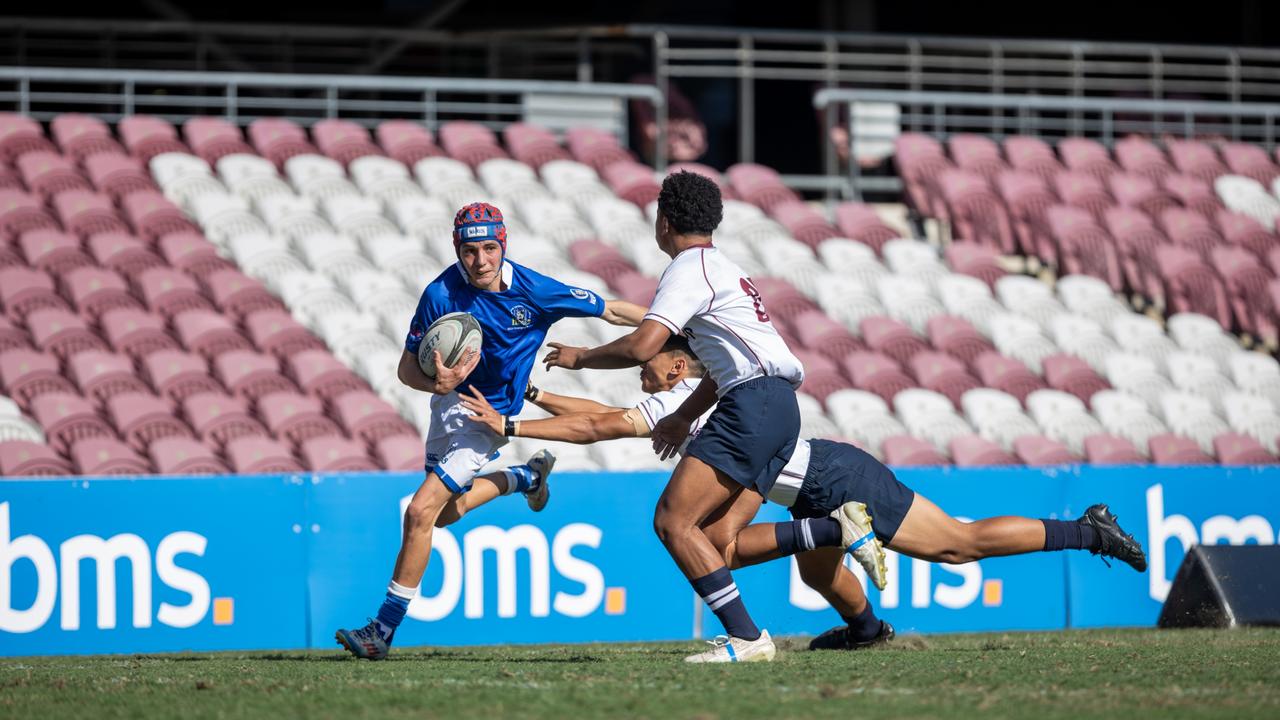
1115,542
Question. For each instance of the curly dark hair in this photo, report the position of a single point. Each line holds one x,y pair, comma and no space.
679,344
691,203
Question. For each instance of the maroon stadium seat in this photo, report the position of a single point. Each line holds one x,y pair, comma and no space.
470,142
295,417
336,454
53,251
261,455
1084,248
85,212
1189,229
975,211
1105,449
136,333
1136,241
1037,450
20,211
906,451
877,373
599,259
153,216
122,253
178,375
1087,156
1250,161
275,331
1072,375
533,145
635,287
96,290
758,185
278,139
62,333
191,253
632,181
803,222
238,295
20,135
920,160
861,222
251,374
1141,192
118,175
406,141
1237,449
957,336
142,418
596,147
170,292
1084,191
20,458
185,456
1192,286
23,290
1032,155
401,452
213,137
146,136
321,374
364,415
1170,449
977,154
82,135
107,456
976,451
1141,156
1245,279
819,332
26,374
67,419
343,140
208,333
101,375
971,258
943,374
1246,232
782,300
893,338
1195,158
12,337
1007,375
49,173
219,418
1194,193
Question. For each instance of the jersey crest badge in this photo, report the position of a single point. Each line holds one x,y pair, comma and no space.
520,316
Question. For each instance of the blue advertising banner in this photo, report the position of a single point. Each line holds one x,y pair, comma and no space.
1167,510
151,564
160,564
587,568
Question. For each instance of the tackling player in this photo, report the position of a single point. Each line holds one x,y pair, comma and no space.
514,306
821,477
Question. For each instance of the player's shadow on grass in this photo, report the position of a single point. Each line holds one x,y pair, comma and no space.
465,657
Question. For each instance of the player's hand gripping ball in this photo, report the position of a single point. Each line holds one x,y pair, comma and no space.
452,335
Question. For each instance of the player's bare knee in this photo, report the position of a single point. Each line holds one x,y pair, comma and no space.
669,526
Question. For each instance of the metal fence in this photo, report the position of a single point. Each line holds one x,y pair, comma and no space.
1049,118
42,93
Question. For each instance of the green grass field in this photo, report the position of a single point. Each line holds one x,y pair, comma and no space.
1190,673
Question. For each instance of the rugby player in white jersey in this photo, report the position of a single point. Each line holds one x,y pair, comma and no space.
751,378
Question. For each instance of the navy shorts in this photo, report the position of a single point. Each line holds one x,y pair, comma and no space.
752,433
839,472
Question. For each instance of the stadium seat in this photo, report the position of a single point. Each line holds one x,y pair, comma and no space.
100,375
975,451
19,458
178,375
294,417
254,455
220,418
908,451
136,333
106,456
141,418
1238,449
1170,449
185,456
1112,450
95,290
68,419
1035,450
335,454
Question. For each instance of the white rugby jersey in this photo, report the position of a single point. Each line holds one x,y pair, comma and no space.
708,298
661,404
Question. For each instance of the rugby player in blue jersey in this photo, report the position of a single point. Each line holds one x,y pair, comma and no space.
515,306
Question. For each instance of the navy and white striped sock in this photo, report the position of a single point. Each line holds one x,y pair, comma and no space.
806,534
720,593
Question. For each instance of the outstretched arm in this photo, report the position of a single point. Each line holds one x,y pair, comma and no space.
627,351
565,404
582,428
621,312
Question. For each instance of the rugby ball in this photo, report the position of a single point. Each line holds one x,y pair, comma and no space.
452,335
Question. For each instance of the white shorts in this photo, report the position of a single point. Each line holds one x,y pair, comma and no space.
457,447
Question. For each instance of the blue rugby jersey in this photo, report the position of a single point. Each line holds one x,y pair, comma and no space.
515,323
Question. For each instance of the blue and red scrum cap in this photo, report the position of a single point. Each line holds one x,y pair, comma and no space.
479,222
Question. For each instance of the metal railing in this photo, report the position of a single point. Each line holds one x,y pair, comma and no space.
42,93
1049,118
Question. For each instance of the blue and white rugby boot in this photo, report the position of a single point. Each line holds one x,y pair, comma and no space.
365,643
731,649
858,539
542,462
